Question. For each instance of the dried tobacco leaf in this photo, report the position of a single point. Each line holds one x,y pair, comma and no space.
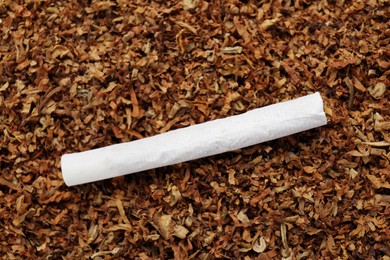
232,50
378,90
78,75
260,245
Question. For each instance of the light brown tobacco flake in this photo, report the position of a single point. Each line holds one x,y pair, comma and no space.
260,245
358,85
164,225
231,177
122,212
187,26
266,24
242,217
180,231
378,90
380,144
377,182
102,5
10,185
174,196
60,51
232,50
190,4
134,100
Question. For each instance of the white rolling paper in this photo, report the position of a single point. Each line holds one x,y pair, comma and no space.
193,142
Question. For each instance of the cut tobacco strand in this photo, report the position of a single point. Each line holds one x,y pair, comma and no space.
232,50
79,75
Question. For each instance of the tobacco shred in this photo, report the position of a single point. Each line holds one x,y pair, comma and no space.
77,75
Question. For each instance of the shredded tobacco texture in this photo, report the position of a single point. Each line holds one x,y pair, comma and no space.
77,75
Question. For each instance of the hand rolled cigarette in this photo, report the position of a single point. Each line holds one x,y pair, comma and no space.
196,141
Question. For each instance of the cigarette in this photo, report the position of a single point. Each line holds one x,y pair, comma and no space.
196,141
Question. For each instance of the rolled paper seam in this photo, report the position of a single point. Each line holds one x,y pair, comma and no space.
196,141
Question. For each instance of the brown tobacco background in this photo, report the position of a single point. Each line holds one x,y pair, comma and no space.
77,75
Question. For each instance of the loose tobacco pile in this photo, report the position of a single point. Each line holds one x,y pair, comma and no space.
77,75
